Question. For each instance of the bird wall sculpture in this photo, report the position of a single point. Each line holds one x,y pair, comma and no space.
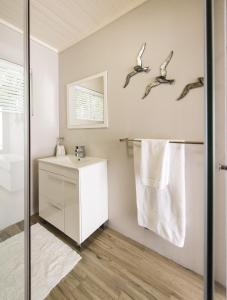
138,68
161,79
190,86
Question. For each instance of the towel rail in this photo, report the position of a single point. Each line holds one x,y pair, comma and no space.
171,141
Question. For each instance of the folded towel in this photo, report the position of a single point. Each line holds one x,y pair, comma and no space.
163,210
155,163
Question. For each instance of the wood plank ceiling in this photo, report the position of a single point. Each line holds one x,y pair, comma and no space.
62,23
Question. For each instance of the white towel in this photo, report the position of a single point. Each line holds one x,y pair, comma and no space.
155,163
163,210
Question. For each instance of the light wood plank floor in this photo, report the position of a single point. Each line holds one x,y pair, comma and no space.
115,267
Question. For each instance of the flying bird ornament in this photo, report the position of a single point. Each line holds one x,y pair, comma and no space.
138,68
161,79
190,86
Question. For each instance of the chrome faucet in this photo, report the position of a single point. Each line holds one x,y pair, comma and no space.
80,152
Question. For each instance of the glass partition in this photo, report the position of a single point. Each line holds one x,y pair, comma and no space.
12,141
135,230
220,147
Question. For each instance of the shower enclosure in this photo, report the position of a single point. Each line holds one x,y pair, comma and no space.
15,143
14,150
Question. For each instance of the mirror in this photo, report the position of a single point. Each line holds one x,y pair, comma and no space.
87,102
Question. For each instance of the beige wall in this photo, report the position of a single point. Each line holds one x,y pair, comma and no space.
95,84
165,25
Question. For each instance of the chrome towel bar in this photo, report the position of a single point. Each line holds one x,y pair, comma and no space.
171,141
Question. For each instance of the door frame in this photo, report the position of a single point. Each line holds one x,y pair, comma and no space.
27,153
209,150
209,153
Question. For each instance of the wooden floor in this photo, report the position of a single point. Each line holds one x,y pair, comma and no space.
115,267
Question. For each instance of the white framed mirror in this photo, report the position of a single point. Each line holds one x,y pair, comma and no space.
87,102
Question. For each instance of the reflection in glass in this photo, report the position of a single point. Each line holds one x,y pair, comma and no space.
11,154
11,142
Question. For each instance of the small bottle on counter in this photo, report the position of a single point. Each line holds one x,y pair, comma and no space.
60,148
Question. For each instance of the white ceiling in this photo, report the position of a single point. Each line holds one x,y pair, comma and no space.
62,23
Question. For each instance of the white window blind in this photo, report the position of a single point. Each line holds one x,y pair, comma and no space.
88,104
11,87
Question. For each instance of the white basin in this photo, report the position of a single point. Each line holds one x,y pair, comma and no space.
71,161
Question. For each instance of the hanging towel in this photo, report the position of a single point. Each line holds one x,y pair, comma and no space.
154,163
163,210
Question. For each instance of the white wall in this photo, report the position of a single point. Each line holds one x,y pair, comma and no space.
45,124
12,203
165,25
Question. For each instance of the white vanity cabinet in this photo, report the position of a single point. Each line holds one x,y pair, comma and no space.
73,194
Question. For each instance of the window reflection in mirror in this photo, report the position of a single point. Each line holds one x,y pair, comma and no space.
87,102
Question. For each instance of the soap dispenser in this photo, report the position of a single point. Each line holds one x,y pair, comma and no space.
60,148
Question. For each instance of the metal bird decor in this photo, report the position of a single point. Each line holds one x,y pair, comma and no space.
138,68
190,86
162,78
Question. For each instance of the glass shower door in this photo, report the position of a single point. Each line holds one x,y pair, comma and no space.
12,141
220,148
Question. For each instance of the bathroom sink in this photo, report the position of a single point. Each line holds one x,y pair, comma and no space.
71,161
73,194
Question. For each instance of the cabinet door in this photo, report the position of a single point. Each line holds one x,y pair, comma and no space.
51,201
72,214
